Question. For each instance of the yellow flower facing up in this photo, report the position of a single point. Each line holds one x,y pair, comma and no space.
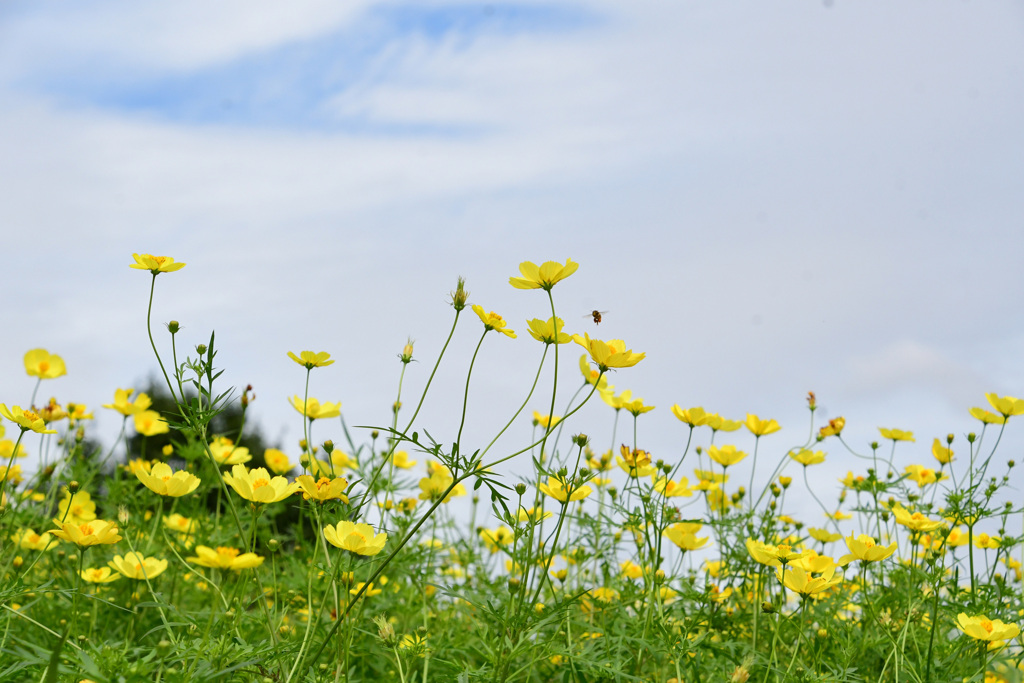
28,539
312,359
225,558
773,555
224,452
805,583
400,459
495,539
987,417
277,461
759,427
806,457
545,276
26,419
725,456
162,480
96,532
609,354
942,453
672,489
99,575
434,486
557,490
322,489
258,486
314,410
155,264
549,331
863,548
136,566
1007,406
986,542
896,434
122,405
983,628
149,423
44,365
355,538
635,463
922,476
492,321
635,406
915,521
682,537
695,417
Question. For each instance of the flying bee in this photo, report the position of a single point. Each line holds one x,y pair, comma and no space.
596,315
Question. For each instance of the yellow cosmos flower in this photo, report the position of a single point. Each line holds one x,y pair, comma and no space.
372,589
610,398
136,566
773,555
149,423
726,455
807,458
12,474
759,427
179,523
672,489
546,276
277,461
78,411
984,541
96,532
7,449
224,452
896,434
916,521
77,508
549,331
314,410
1007,406
604,594
983,628
863,548
987,417
609,354
682,537
634,405
155,264
339,461
833,428
52,412
99,575
545,421
591,376
400,459
695,417
225,558
494,539
433,486
557,490
803,582
720,424
28,539
258,486
941,453
122,405
311,359
635,463
26,419
631,570
161,479
838,515
712,477
923,476
355,538
492,321
823,535
322,489
44,365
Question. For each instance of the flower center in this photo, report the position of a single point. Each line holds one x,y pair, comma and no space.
259,483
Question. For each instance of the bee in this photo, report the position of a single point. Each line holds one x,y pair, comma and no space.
596,315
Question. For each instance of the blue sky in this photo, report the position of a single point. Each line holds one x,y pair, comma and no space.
767,200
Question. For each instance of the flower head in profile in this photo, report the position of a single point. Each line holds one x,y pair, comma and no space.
28,420
224,452
122,405
433,487
360,539
983,628
759,427
277,461
672,489
634,406
78,411
864,548
1007,406
549,332
314,410
695,417
943,454
635,463
96,532
726,455
257,486
987,417
322,489
545,421
136,566
44,365
556,488
312,359
27,539
915,521
224,558
545,276
162,480
492,321
807,457
609,354
400,459
685,536
721,424
805,583
922,476
149,423
155,264
496,538
896,434
833,428
99,575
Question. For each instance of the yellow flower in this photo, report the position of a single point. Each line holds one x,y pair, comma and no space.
591,376
759,427
806,457
635,463
12,475
863,548
823,535
311,359
557,490
149,423
801,581
672,489
27,539
943,454
833,428
26,419
1007,406
686,540
44,365
136,566
983,540
155,264
96,532
339,461
838,515
258,486
370,590
78,411
493,321
720,424
225,558
400,459
546,276
923,476
494,539
7,449
695,417
549,332
609,354
772,555
605,594
726,455
99,575
609,397
545,421
179,523
896,434
277,461
322,489
631,570
437,483
122,405
916,521
315,410
983,628
224,452
987,417
634,405
161,479
356,538
52,412
77,508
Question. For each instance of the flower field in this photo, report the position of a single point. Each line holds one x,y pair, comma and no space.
342,560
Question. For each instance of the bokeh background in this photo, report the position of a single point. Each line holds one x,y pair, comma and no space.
767,199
